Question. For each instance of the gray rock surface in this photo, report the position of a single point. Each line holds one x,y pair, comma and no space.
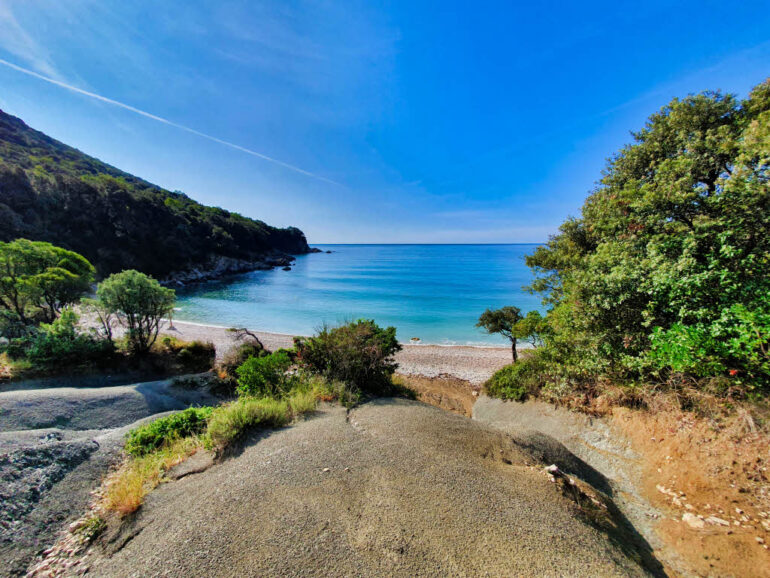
392,488
582,445
56,444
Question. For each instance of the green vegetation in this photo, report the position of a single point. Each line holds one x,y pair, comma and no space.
53,192
664,279
127,487
140,301
152,436
517,381
272,392
61,342
508,322
359,354
230,421
266,376
41,282
38,280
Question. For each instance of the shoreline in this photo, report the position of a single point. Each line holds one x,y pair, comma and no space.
472,363
420,343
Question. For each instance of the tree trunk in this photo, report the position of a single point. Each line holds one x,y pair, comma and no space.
513,350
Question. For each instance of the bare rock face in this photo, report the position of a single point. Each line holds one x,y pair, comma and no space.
56,444
391,488
219,267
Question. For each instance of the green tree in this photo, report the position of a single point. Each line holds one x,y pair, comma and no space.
37,280
667,269
509,322
140,302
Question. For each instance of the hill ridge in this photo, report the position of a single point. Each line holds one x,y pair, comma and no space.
50,191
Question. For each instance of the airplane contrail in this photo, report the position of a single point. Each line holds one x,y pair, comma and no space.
165,121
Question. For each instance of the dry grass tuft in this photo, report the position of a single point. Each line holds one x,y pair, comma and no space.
128,485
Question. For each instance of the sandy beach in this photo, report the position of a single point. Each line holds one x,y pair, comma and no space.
469,363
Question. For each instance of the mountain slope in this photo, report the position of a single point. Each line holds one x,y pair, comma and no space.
52,192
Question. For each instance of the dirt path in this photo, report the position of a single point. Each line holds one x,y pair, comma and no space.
394,488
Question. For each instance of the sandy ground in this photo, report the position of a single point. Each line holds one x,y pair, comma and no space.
391,488
472,364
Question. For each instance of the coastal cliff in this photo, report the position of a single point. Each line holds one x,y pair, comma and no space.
52,192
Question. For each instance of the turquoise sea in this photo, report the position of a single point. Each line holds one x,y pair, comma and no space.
434,292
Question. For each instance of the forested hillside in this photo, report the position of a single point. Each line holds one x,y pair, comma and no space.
52,192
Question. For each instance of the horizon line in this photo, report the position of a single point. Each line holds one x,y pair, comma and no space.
445,244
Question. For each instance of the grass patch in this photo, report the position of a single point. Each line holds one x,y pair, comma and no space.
92,528
127,487
302,402
230,421
12,368
152,436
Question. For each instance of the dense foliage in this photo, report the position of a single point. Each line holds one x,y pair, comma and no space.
52,192
37,280
359,354
516,381
666,273
63,343
266,375
140,301
153,435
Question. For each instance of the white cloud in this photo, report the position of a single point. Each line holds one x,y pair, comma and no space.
164,121
17,41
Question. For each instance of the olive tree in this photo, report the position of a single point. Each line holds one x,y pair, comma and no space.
140,302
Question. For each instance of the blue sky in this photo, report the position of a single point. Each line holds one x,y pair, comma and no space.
399,121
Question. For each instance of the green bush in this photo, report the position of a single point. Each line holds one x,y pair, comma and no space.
154,435
359,354
265,376
62,343
237,356
185,356
517,381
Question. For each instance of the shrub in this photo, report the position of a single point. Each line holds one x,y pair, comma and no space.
187,356
230,421
154,435
237,356
360,354
140,302
665,271
60,342
265,376
517,381
302,402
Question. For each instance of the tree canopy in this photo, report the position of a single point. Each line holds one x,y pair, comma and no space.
511,324
667,269
38,279
140,302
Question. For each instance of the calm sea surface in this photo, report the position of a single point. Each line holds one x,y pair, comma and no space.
434,292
